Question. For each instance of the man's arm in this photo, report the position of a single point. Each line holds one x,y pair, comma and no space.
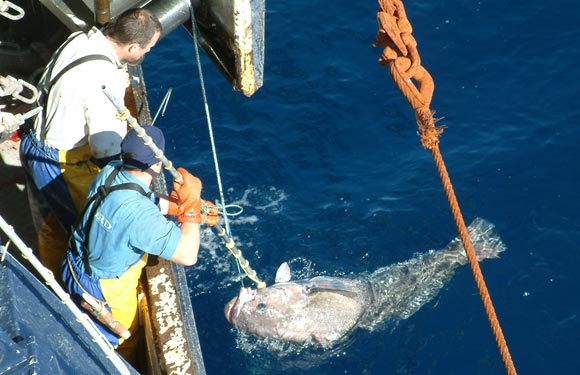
188,246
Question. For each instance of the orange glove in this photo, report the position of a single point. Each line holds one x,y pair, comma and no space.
188,198
173,208
210,214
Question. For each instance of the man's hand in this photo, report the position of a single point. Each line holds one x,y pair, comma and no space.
188,205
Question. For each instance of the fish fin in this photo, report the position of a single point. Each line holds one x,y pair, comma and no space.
283,274
332,284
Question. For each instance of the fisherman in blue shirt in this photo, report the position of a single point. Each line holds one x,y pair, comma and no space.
122,223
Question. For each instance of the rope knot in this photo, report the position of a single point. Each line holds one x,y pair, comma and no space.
427,129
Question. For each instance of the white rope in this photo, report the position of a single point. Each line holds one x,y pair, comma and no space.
163,105
208,119
210,129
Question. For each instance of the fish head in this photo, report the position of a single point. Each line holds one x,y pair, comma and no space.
266,312
295,311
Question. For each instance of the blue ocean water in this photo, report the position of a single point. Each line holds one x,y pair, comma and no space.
326,162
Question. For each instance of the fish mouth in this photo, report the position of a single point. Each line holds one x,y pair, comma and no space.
233,308
228,310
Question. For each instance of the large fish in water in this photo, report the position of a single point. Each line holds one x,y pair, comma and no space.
324,310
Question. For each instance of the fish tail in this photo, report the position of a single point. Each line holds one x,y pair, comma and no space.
486,242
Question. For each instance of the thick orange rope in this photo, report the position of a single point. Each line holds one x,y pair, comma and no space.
402,57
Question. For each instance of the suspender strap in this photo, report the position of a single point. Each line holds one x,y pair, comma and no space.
76,63
93,204
58,52
48,87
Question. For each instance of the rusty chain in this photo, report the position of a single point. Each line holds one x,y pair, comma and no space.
401,55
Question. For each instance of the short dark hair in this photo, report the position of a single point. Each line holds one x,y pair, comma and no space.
135,25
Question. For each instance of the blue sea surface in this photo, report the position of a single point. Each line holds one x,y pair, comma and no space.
326,162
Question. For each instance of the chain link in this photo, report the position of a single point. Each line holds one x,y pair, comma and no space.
11,11
10,122
401,54
14,87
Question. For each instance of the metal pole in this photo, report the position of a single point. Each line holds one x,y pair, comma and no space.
102,12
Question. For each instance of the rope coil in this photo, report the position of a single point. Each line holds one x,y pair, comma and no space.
401,55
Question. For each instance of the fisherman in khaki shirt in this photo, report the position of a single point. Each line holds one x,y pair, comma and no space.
78,131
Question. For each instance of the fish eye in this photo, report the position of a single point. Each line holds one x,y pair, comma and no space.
261,307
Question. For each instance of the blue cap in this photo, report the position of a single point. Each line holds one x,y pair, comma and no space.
137,155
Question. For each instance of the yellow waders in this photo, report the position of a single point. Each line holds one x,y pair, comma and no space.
121,296
78,172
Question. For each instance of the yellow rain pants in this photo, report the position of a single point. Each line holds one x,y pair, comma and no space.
121,296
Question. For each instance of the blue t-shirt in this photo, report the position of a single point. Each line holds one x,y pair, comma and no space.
126,225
